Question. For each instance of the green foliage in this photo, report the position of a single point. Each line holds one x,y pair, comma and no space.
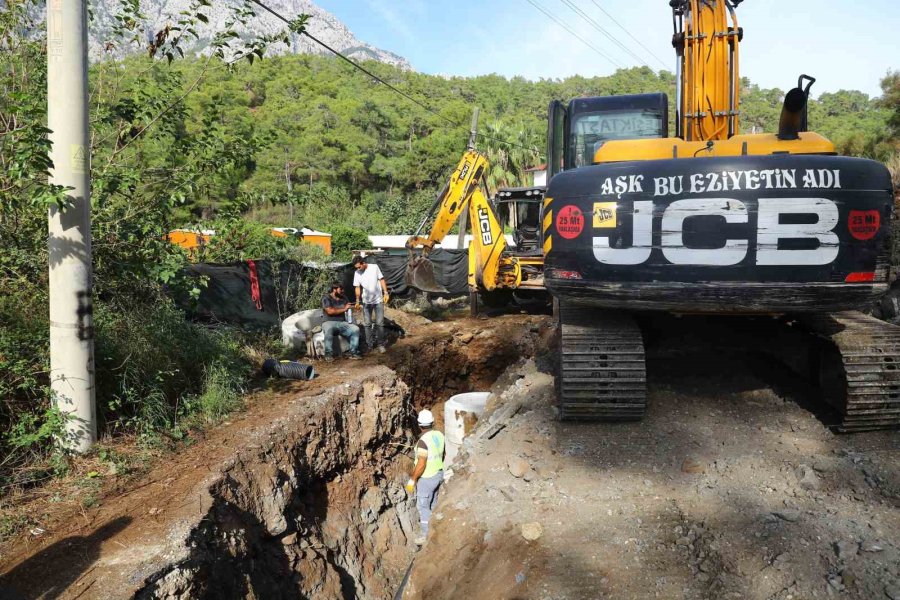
344,240
149,358
890,100
248,240
220,395
24,145
26,419
306,140
34,429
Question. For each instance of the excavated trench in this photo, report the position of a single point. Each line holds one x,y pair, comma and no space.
317,509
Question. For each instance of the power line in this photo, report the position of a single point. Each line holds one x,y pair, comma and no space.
382,81
569,29
357,65
597,26
623,28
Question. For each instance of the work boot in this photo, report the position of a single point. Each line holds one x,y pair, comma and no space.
354,357
381,350
329,358
419,541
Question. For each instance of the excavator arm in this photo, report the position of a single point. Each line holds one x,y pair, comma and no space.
489,267
707,39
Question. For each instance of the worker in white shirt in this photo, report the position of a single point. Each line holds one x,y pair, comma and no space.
371,296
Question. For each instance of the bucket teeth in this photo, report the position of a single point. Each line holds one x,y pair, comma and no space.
602,374
420,275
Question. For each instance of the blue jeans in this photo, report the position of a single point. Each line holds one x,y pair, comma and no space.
373,321
343,328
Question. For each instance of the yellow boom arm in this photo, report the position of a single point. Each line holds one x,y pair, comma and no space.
489,268
709,74
706,39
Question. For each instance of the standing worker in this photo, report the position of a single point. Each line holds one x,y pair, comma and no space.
372,291
429,471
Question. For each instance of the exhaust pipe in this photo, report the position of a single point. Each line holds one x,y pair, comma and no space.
794,111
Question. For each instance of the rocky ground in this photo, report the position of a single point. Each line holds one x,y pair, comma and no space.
726,490
300,496
732,487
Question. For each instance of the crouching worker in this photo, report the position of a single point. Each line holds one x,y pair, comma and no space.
429,471
335,306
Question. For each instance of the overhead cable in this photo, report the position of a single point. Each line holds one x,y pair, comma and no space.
382,81
599,28
570,30
623,28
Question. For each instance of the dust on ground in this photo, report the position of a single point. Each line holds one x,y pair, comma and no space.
726,489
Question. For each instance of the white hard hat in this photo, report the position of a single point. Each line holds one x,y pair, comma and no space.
425,417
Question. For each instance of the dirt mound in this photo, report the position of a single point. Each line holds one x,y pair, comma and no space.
727,489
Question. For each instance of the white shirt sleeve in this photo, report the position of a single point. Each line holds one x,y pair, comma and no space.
378,274
356,279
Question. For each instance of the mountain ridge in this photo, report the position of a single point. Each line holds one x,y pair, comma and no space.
159,13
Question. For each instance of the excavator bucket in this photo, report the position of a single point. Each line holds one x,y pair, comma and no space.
420,275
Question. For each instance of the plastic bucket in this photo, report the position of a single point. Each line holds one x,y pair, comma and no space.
460,414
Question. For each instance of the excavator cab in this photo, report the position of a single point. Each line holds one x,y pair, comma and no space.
519,211
577,131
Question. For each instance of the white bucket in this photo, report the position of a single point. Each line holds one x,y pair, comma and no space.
457,411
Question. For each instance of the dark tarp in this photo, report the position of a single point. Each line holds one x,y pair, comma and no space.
227,296
451,269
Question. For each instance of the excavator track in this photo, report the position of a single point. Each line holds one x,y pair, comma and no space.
859,369
602,369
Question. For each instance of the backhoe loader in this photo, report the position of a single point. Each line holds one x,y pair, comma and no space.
495,270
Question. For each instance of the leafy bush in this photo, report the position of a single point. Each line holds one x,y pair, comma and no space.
344,240
149,359
25,416
220,395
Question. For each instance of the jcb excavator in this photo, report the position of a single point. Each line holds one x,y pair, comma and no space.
495,270
712,221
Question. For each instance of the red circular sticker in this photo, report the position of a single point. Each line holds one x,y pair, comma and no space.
864,224
569,221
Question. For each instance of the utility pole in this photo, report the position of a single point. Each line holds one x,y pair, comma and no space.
71,303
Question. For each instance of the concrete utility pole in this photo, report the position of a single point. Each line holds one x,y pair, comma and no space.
71,304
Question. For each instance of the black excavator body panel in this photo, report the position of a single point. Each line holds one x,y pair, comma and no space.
747,234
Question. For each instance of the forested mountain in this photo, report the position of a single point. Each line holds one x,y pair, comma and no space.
343,148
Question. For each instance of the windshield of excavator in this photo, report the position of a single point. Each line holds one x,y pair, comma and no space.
589,130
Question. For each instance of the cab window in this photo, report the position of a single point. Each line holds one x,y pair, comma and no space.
589,130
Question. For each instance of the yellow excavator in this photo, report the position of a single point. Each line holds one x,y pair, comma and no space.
495,269
717,222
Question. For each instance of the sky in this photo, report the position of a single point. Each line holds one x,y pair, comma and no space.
844,45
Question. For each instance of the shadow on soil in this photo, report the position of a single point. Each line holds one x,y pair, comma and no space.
63,563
